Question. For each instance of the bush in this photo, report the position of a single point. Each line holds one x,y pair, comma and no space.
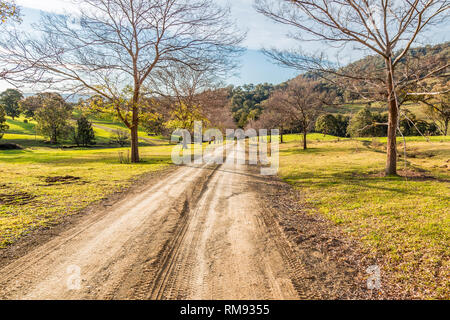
120,137
367,124
332,125
410,126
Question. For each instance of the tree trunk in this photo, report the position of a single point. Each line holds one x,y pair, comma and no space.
281,135
134,144
446,127
304,140
53,138
135,127
391,163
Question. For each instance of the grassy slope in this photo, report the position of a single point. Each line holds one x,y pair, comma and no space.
407,222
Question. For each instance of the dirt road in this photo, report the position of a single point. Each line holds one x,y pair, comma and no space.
205,231
195,234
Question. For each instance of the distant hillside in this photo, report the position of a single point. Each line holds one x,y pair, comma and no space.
246,101
439,52
375,62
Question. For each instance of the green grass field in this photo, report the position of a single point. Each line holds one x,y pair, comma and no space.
405,221
28,200
33,201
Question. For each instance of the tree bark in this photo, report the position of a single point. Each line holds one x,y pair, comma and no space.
134,144
53,138
304,140
391,163
135,124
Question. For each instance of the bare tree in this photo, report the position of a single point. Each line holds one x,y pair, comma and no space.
215,103
298,105
113,48
194,95
379,26
277,112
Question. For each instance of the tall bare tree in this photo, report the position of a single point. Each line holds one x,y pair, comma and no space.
113,48
297,105
379,26
277,112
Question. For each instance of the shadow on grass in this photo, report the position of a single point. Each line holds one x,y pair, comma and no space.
303,151
352,179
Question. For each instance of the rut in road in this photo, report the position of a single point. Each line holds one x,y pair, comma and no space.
198,233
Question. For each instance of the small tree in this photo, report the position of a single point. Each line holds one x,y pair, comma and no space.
9,99
367,124
360,123
306,103
120,137
52,117
84,134
3,125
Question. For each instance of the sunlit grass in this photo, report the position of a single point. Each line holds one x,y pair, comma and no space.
407,222
100,175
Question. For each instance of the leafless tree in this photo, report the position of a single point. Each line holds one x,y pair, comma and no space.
113,48
297,105
378,26
215,103
278,112
199,93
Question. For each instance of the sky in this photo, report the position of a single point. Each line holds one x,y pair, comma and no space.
261,33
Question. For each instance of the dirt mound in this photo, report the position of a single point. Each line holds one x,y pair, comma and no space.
10,146
61,179
18,198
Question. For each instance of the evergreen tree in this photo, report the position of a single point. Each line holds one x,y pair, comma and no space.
3,125
84,133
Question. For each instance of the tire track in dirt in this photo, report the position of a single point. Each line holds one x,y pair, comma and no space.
104,248
223,252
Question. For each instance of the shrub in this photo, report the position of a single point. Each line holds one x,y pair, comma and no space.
120,137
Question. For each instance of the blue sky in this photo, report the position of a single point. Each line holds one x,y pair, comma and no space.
261,32
255,67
